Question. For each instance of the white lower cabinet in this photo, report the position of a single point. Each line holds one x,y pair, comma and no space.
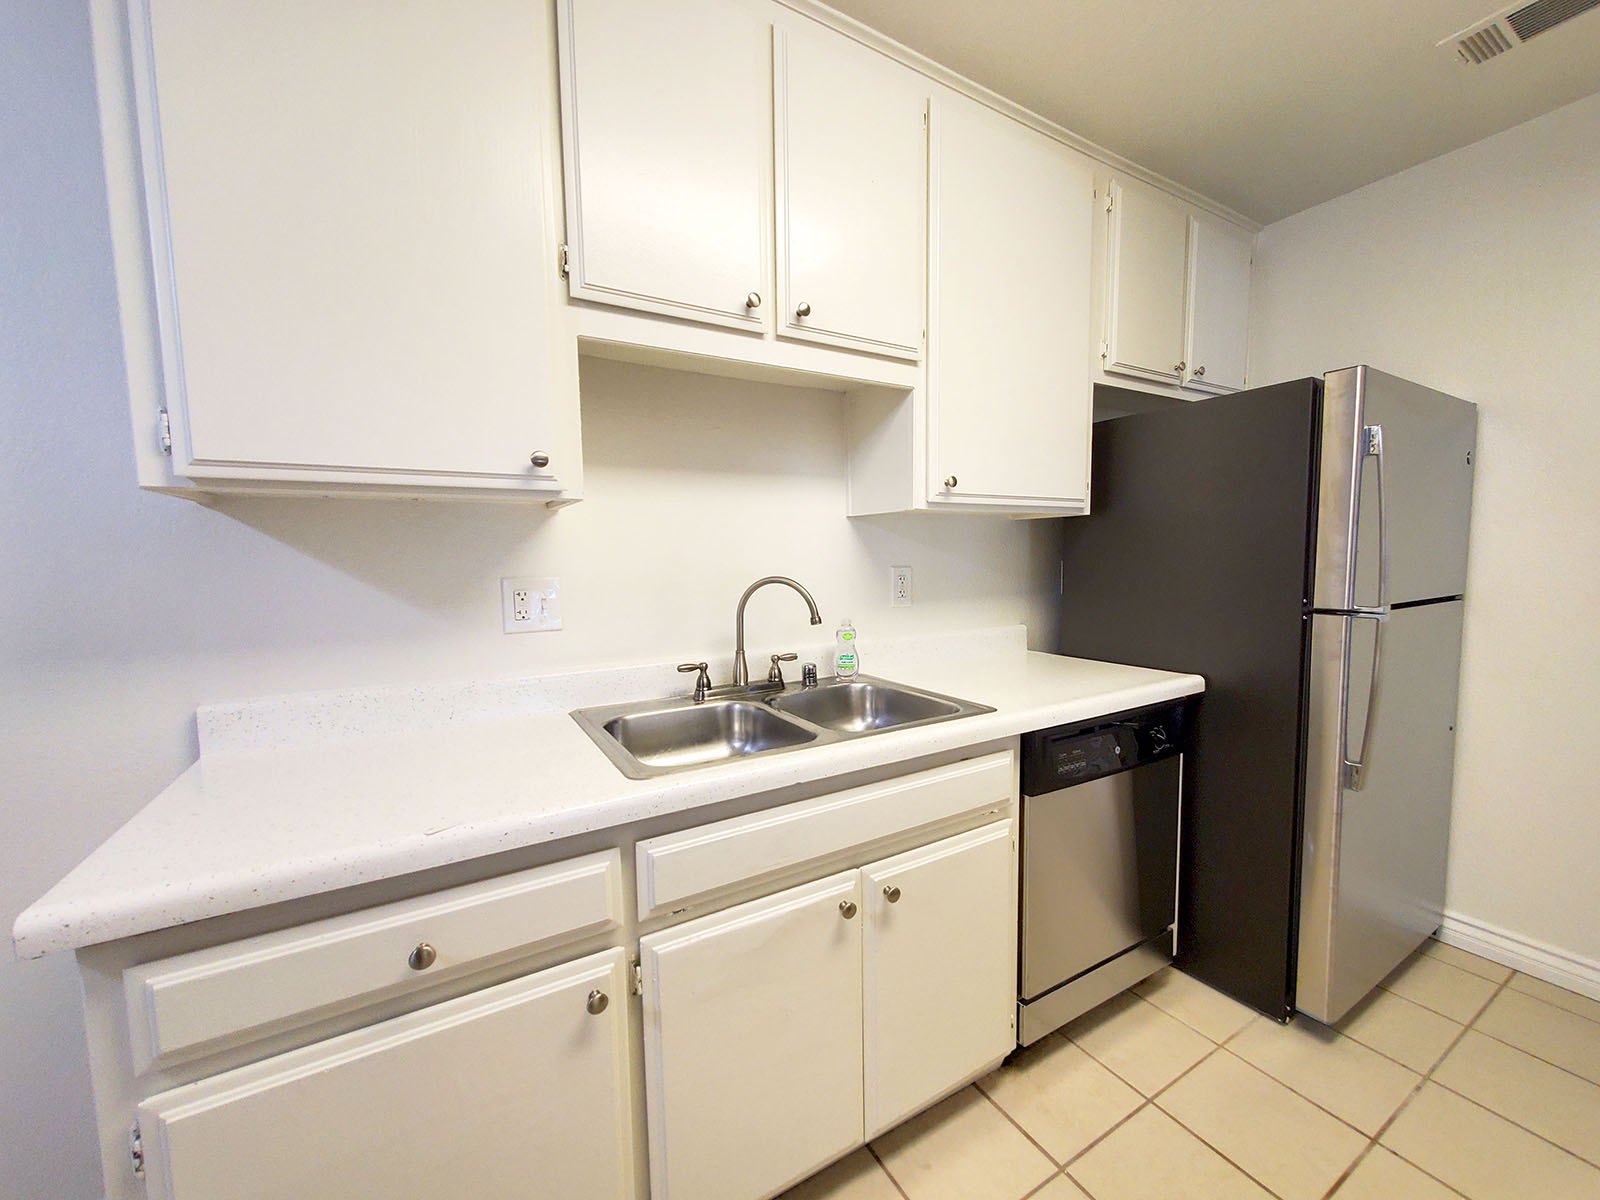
782,1033
752,1036
521,1089
940,966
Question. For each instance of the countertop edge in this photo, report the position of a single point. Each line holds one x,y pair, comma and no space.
89,919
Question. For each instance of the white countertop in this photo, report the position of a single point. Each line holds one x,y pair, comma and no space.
245,827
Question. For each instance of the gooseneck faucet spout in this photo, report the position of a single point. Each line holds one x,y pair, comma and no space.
741,673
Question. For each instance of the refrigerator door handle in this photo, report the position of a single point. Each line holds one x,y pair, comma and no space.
1373,436
1355,769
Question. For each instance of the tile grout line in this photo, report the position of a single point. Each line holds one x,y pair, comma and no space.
884,1167
1150,1102
1472,1027
1017,1125
1250,1013
1223,1045
1385,1054
1579,1075
1376,1139
1476,1103
1438,1012
1552,1003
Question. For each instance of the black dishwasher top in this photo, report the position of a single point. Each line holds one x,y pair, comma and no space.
1072,754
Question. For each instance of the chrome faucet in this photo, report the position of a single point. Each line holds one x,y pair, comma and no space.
741,673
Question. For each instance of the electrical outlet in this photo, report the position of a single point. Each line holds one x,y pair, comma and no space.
899,587
528,605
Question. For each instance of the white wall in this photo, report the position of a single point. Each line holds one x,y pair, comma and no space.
1479,274
122,610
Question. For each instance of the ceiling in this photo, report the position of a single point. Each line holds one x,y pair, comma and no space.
1268,108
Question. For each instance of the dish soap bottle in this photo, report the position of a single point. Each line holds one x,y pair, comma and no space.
845,663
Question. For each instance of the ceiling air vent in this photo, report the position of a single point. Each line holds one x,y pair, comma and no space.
1509,28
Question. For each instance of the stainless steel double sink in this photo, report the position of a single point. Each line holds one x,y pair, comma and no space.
647,738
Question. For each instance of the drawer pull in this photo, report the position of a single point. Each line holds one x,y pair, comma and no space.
891,894
422,957
597,1002
847,909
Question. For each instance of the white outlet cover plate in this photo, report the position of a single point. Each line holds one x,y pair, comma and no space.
542,611
899,587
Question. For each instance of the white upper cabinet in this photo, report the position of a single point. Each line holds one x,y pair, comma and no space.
1008,387
344,236
667,130
1177,292
1147,257
1219,306
851,157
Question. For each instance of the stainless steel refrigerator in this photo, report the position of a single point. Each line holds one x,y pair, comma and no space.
1303,546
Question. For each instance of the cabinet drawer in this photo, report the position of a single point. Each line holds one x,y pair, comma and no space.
680,867
520,1090
179,1006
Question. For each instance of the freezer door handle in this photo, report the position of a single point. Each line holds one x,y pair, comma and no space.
1355,769
1372,436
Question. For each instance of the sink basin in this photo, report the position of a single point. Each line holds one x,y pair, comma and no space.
857,707
676,738
647,738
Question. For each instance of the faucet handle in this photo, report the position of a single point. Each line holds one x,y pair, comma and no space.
775,675
702,685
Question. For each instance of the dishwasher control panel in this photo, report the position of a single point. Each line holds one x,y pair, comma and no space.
1072,754
1075,758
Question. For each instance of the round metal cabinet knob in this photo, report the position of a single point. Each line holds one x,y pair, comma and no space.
949,481
803,309
422,957
1178,367
753,300
1199,371
539,459
597,1002
847,909
892,894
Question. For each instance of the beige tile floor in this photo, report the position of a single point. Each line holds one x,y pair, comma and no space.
1457,1078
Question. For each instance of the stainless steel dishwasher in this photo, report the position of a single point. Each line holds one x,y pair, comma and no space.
1101,807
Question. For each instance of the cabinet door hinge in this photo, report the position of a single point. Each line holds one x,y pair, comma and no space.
1111,198
136,1150
566,261
638,979
164,431
1105,350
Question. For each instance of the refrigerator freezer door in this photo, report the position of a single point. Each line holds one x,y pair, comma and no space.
1373,872
1427,445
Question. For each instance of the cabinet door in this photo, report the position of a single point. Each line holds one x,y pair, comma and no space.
518,1086
852,154
1012,215
1146,255
667,118
1219,306
941,969
752,1036
348,237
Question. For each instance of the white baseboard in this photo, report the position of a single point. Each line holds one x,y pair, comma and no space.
1553,965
